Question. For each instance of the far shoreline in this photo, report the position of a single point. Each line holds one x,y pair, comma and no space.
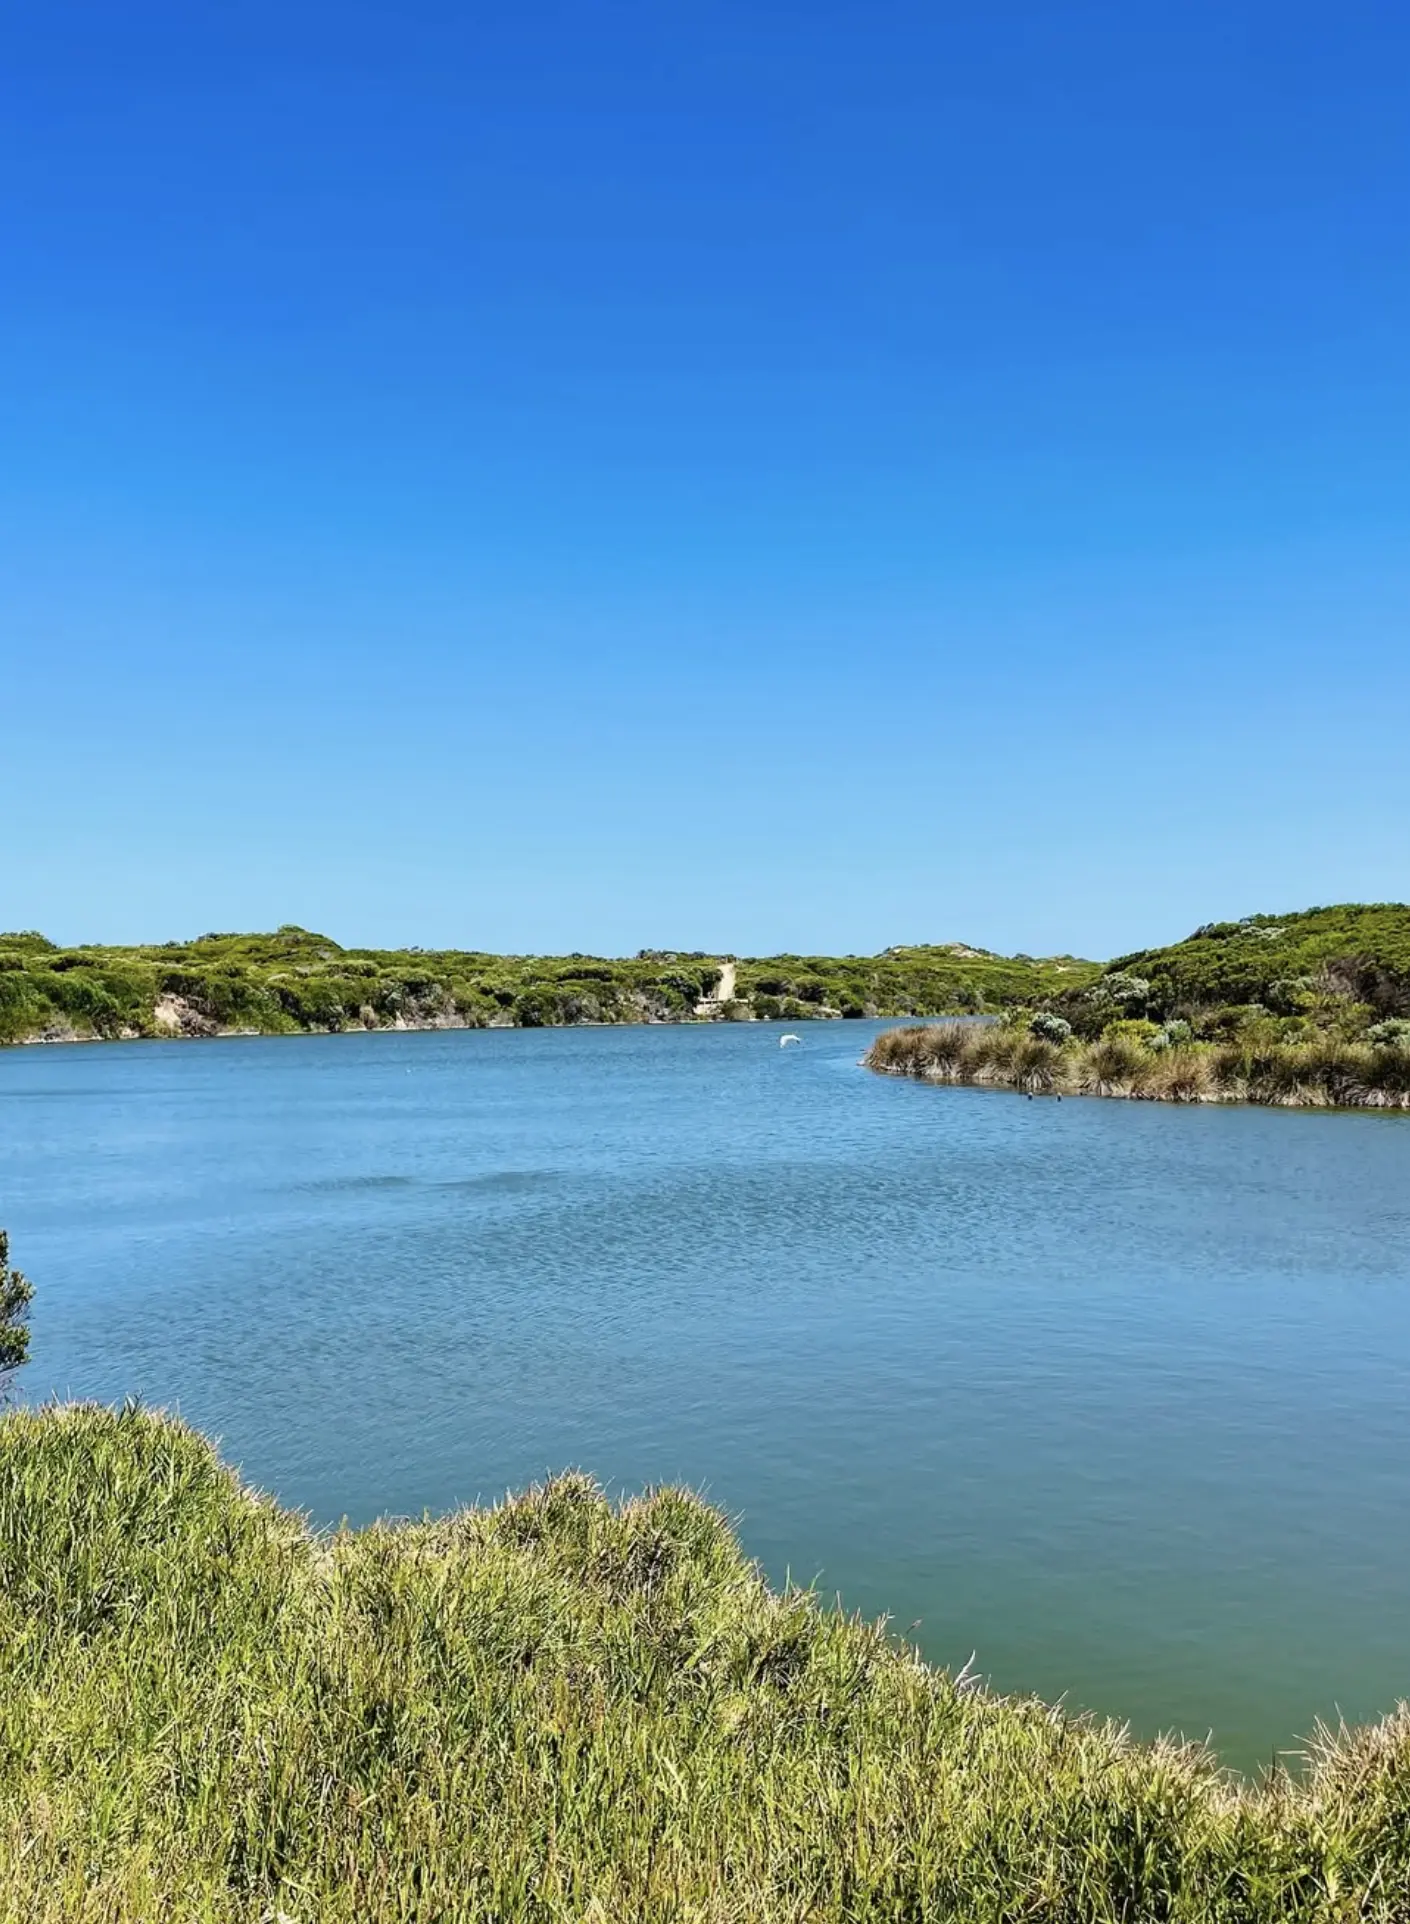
827,1019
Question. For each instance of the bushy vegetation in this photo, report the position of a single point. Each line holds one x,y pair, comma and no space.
941,980
1142,1060
562,1710
1305,1008
1350,963
1323,975
16,1295
294,980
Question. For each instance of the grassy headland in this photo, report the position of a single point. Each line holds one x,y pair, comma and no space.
294,981
558,1709
1320,1072
1310,1008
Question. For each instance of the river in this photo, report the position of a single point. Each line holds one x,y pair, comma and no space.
1115,1397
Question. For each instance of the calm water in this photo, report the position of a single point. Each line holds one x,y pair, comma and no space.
1114,1396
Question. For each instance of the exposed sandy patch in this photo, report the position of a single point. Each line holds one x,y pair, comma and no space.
173,1015
724,991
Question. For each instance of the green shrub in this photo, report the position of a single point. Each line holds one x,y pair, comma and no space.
24,1009
1173,1035
16,1295
1133,1029
87,1002
1394,1034
1050,1027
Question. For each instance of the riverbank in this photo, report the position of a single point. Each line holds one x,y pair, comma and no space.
561,1709
296,982
1321,1073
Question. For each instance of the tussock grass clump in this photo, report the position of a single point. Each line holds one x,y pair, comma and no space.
1116,1066
561,1709
1324,1071
960,1052
1182,1074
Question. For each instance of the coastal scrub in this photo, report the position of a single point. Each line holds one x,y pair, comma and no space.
294,981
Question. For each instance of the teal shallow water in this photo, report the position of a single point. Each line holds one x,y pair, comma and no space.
1114,1396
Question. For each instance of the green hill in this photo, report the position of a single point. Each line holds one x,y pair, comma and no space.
1361,950
295,980
1346,967
561,1710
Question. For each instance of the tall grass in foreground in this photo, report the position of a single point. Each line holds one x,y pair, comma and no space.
558,1709
1323,1072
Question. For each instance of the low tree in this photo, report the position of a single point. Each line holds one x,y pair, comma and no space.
16,1293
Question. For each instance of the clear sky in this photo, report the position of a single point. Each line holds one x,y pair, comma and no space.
737,476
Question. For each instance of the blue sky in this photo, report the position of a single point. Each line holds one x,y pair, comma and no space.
742,477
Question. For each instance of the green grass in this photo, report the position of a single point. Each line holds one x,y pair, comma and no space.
293,981
556,1710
